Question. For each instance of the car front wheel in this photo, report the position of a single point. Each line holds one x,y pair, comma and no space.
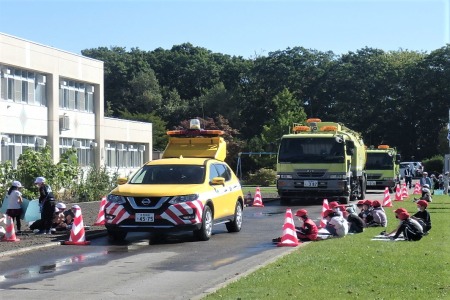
205,232
236,224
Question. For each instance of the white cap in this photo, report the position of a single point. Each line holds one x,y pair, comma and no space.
39,180
16,184
60,205
426,190
426,185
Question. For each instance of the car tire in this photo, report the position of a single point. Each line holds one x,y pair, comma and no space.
116,236
205,232
236,224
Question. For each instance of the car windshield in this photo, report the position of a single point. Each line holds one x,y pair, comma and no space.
379,161
170,174
310,150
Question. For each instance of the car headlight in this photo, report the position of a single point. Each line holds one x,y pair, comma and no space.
116,199
338,176
183,198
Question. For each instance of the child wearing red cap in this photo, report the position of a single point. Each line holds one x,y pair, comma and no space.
410,228
378,215
397,213
366,213
423,216
334,206
309,230
336,225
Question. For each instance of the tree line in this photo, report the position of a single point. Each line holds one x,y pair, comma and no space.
399,98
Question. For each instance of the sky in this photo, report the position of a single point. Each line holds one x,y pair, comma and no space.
246,28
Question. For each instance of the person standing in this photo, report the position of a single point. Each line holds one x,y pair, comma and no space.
425,180
14,209
47,204
408,177
446,182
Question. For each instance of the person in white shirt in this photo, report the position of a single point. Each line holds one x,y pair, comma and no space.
337,226
14,209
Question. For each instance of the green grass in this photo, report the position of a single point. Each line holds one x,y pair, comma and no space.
263,189
354,267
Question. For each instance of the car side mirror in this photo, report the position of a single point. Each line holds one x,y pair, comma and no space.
218,181
122,180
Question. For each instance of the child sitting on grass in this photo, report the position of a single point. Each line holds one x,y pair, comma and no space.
423,216
410,228
309,230
337,226
378,215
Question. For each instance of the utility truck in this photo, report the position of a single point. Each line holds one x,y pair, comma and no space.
319,160
383,167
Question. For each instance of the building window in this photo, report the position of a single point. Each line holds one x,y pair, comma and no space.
77,96
124,155
23,86
12,146
85,153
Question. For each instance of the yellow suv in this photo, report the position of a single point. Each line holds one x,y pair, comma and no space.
190,188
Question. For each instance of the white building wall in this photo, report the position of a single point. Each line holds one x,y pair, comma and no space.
44,121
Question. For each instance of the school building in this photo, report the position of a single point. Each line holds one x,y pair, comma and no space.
52,97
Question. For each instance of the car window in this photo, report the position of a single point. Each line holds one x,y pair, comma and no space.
220,170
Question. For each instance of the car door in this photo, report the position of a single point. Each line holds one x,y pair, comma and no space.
224,201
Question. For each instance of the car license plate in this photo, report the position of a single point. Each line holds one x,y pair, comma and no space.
310,183
371,182
145,217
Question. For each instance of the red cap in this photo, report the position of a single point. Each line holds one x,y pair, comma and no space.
403,215
301,213
333,204
422,203
376,203
400,210
360,202
368,202
327,212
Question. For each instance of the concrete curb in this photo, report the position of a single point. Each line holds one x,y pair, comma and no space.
48,245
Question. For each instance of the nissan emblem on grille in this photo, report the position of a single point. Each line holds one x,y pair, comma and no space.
146,201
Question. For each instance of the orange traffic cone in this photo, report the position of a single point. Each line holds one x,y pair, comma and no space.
387,202
101,213
404,191
10,234
257,201
289,237
323,222
417,190
77,236
398,193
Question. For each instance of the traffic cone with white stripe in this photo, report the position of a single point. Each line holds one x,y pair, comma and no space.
10,234
417,190
101,213
257,201
404,191
289,237
325,206
398,193
77,235
387,202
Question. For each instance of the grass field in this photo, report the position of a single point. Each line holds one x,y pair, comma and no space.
354,267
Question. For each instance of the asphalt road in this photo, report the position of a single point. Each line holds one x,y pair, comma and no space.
175,268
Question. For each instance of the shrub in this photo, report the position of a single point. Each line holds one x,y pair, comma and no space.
262,177
434,165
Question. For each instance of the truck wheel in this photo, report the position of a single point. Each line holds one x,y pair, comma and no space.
362,190
236,224
205,232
